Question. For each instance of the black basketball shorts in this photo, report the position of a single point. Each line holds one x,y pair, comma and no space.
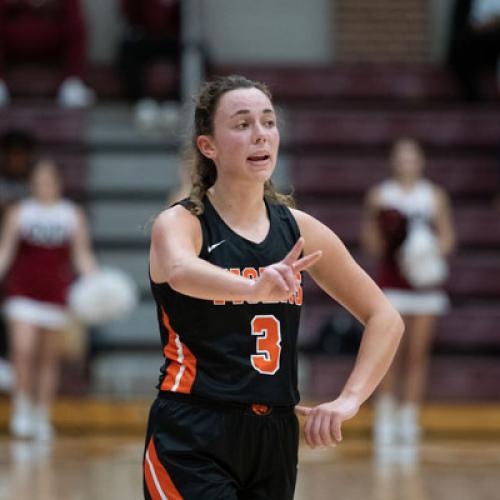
200,450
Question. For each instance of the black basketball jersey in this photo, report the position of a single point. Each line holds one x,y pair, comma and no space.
233,351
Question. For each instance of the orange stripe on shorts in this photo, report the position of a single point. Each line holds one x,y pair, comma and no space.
158,480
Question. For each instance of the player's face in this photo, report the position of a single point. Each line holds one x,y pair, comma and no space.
407,161
246,138
45,183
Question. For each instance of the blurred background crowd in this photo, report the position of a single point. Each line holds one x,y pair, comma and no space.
390,119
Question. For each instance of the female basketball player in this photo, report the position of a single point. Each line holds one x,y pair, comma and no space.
416,199
225,268
42,238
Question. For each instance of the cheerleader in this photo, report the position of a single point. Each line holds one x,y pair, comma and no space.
401,211
44,239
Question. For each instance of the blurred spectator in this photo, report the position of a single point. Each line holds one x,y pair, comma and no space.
48,234
45,31
475,43
153,35
400,210
17,151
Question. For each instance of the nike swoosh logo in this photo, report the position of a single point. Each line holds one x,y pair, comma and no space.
211,248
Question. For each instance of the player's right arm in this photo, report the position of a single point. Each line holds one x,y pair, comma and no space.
9,239
176,242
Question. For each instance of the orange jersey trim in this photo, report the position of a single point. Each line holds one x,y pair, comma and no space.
158,481
181,371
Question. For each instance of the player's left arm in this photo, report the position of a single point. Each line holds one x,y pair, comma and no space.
338,274
83,256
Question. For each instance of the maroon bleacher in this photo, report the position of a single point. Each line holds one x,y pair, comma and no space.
452,378
32,81
340,82
453,128
347,81
477,226
42,82
61,135
470,327
353,174
52,126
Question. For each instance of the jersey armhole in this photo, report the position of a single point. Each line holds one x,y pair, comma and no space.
293,222
186,203
203,254
295,225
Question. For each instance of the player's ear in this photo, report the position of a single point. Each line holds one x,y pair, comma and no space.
206,146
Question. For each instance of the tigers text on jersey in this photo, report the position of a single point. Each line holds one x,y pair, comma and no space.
233,351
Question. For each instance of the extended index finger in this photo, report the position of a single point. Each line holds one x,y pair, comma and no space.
307,261
295,252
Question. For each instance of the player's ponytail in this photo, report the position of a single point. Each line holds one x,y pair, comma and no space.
203,176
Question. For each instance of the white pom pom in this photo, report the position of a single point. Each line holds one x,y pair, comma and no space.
105,295
420,260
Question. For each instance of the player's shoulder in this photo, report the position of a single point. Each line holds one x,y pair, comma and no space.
299,215
306,221
177,217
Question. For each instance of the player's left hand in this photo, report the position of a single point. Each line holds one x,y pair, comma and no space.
323,423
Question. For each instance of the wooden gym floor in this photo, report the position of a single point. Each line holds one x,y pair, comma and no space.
459,459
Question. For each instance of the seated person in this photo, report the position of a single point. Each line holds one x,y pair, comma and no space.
45,31
474,43
153,34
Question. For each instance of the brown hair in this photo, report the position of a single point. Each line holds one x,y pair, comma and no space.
204,172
